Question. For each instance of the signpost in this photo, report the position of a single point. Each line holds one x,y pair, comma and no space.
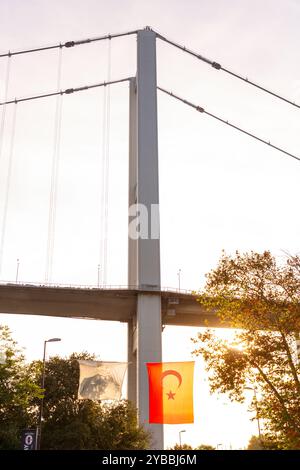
29,439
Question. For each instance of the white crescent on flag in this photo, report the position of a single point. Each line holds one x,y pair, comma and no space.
101,380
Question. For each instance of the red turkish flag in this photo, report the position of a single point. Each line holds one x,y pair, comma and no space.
171,392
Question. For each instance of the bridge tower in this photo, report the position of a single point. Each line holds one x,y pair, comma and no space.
145,328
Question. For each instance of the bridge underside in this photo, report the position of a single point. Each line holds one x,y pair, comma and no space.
101,304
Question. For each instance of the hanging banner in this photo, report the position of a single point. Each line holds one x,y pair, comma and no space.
101,380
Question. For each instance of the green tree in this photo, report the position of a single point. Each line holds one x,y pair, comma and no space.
70,423
188,447
181,447
255,443
205,447
261,298
17,392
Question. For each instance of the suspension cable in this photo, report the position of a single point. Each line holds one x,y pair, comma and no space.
2,123
218,66
105,174
214,64
68,44
8,184
224,121
54,175
68,91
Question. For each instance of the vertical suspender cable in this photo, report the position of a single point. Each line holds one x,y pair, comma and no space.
106,202
102,193
105,175
2,126
54,174
8,181
2,123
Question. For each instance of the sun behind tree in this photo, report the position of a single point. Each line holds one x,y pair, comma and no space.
261,298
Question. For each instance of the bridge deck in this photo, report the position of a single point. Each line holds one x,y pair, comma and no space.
100,304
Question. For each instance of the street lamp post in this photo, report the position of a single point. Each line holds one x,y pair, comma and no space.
98,275
39,430
183,430
17,271
179,274
298,346
256,409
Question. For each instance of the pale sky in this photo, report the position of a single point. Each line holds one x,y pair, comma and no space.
218,189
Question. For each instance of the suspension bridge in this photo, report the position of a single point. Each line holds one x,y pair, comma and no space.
143,304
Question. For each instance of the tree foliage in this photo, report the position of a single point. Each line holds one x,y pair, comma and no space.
188,447
260,297
84,424
68,423
181,447
72,424
18,392
205,447
255,443
265,443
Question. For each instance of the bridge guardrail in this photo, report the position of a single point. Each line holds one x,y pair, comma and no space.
96,287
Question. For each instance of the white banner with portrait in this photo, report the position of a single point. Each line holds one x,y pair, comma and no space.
101,380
